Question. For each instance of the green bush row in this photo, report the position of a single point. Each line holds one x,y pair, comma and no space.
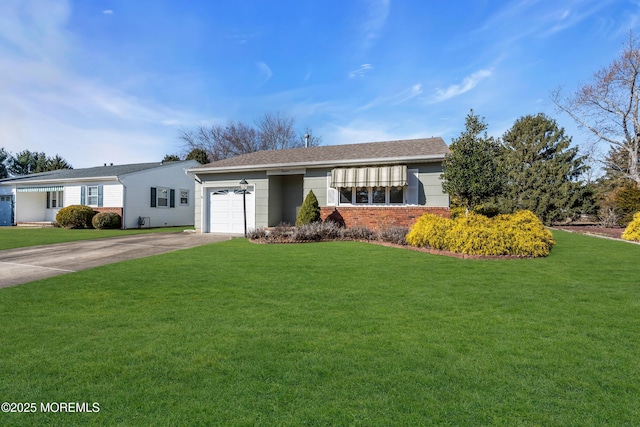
81,216
519,234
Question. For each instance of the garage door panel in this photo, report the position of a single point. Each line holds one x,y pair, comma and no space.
226,211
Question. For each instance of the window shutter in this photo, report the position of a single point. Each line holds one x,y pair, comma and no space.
332,193
83,195
48,200
153,197
172,198
413,184
99,196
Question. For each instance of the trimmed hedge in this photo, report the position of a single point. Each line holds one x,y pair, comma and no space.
632,232
519,234
75,216
107,221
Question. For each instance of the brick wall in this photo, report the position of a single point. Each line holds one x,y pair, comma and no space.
116,210
378,217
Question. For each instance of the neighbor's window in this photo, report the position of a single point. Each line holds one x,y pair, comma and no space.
92,195
163,196
55,199
184,197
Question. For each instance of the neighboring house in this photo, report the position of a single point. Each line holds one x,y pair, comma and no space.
375,184
158,194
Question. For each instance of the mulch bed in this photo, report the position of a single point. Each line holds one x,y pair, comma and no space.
613,233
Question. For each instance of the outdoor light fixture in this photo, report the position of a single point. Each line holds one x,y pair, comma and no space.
243,186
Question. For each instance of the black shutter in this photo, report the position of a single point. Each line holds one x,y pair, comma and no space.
48,200
153,197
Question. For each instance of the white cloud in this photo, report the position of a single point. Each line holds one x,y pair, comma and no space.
467,84
395,99
376,17
361,71
107,12
265,72
48,106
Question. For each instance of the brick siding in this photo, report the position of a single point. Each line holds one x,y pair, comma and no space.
379,217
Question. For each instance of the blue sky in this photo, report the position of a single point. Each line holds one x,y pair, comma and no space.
114,80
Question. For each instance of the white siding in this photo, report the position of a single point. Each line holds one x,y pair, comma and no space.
137,196
72,195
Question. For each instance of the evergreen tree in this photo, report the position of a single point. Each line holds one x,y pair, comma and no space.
27,162
4,159
170,158
542,170
200,155
309,211
472,173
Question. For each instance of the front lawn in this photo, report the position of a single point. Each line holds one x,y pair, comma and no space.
18,237
337,333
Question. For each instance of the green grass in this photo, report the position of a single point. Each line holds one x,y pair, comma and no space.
340,333
18,237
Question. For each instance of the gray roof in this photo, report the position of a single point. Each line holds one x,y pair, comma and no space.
424,149
87,173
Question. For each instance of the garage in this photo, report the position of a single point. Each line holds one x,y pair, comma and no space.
6,210
226,212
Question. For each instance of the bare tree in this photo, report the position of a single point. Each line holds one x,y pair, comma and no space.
608,107
273,131
309,139
276,131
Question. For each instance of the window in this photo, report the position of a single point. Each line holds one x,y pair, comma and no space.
92,195
362,196
54,199
184,197
371,195
163,197
396,195
346,195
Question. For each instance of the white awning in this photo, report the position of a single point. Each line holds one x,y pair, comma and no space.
43,189
380,176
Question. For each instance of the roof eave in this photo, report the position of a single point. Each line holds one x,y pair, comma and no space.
59,181
318,164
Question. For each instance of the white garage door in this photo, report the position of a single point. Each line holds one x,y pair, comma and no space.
226,212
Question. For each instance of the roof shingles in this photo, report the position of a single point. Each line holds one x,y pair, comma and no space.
426,148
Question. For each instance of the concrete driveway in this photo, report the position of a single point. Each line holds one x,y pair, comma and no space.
38,262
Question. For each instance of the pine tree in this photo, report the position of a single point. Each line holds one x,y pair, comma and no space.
472,173
542,170
309,211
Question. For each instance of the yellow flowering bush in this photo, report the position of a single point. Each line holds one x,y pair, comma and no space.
429,231
519,234
632,232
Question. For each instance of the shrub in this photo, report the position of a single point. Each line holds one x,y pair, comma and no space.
257,234
429,231
520,234
627,202
75,216
632,232
359,233
395,235
106,220
309,211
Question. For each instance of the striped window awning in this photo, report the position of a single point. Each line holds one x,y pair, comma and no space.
43,189
380,176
